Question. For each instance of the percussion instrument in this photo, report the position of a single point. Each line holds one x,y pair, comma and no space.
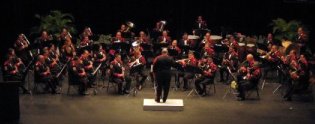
193,37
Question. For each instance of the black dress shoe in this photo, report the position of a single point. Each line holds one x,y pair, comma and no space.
164,101
126,92
156,100
240,98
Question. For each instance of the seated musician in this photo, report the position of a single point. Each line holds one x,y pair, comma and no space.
190,61
174,46
44,40
118,38
248,76
186,43
208,50
51,61
164,38
43,74
79,74
67,51
233,42
157,30
86,32
207,39
230,61
118,75
13,71
126,31
88,66
272,59
85,42
100,58
64,36
299,76
135,47
208,74
143,38
136,65
21,44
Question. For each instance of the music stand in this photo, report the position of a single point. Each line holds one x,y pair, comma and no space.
193,70
221,48
172,52
146,46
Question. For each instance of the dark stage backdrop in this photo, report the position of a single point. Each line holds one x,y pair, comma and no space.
105,16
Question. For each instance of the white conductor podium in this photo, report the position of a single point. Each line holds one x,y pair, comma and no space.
169,105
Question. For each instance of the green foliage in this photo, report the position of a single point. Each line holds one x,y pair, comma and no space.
106,39
54,22
282,28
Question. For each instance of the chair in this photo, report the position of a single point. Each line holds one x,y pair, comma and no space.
193,90
211,84
111,83
72,80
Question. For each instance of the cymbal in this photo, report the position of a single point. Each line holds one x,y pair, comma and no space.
193,37
215,37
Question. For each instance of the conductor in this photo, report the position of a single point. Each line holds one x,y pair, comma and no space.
162,72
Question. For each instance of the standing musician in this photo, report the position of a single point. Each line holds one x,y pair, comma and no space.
191,61
302,39
118,75
230,60
162,71
157,30
136,65
43,74
200,23
208,74
299,76
79,74
248,76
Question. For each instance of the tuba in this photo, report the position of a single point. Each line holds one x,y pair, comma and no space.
163,23
130,26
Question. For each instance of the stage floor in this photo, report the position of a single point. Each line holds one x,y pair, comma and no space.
105,108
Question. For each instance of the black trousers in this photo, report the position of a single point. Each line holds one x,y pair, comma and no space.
246,85
186,76
202,82
120,82
163,79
